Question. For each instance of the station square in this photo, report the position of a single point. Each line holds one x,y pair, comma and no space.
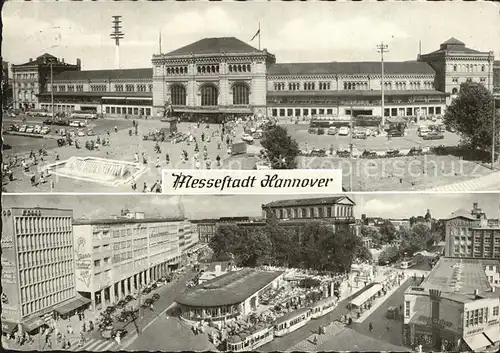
215,80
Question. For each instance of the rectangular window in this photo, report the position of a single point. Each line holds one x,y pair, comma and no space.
495,310
407,308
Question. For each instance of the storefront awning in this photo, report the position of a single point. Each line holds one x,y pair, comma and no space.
363,297
8,327
477,342
72,305
33,324
493,334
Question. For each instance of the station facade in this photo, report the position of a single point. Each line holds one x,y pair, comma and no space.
217,76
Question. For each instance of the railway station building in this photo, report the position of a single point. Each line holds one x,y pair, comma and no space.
214,77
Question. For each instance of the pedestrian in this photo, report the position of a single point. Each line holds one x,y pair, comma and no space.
370,327
33,180
158,165
134,188
167,158
218,160
145,188
197,164
116,129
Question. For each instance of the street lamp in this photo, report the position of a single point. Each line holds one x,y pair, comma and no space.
495,96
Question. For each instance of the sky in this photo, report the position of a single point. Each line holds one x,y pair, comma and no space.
294,32
400,205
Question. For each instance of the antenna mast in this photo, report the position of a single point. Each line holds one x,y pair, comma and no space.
117,35
382,49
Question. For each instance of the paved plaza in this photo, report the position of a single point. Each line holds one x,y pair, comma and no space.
380,174
122,147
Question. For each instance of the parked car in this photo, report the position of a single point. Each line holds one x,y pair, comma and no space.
23,128
343,153
129,298
318,152
30,129
396,133
392,153
247,138
75,123
332,131
148,302
81,133
312,130
155,296
344,131
90,133
45,130
14,127
146,290
37,129
433,135
48,121
121,331
369,154
257,135
359,134
121,304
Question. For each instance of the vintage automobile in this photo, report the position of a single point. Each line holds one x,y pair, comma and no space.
45,130
247,138
395,133
312,130
344,131
433,135
332,131
30,129
415,151
369,154
318,152
343,153
392,153
359,134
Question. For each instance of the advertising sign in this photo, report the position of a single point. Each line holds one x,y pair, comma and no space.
83,259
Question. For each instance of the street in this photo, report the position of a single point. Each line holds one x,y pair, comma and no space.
377,318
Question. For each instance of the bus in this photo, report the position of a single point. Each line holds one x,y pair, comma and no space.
82,114
292,321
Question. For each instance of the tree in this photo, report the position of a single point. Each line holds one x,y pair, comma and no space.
254,249
387,231
280,147
225,240
470,113
390,254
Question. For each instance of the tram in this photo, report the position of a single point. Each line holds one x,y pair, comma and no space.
323,307
245,342
292,321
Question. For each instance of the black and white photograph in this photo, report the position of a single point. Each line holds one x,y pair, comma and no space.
101,96
374,272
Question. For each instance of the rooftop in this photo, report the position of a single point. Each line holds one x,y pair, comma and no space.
43,60
458,278
351,68
318,201
106,221
228,289
453,45
117,74
207,46
370,93
460,213
100,94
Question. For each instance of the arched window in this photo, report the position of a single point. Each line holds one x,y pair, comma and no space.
178,95
241,94
454,67
209,95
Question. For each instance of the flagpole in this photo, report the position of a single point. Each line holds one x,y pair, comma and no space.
259,35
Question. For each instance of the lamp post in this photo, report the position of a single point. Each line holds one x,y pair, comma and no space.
495,96
52,89
382,48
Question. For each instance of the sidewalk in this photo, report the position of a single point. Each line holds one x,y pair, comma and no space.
490,181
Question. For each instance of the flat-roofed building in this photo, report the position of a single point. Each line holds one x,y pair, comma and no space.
118,256
228,296
119,93
471,234
38,266
456,307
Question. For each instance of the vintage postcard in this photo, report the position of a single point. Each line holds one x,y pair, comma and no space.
362,272
100,97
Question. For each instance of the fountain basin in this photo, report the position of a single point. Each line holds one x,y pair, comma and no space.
98,170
